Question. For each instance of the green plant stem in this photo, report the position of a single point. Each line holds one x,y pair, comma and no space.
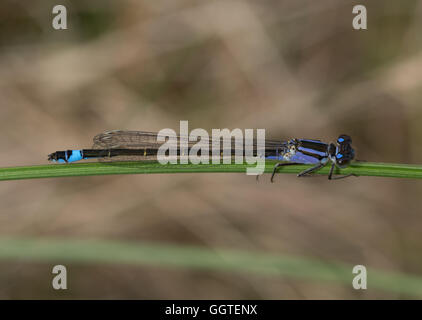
101,168
90,251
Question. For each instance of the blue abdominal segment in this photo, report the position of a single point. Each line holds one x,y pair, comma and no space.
76,155
69,156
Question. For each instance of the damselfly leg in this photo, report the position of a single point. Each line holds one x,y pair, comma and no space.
331,177
308,172
280,164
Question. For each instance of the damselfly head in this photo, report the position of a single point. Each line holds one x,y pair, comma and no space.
345,153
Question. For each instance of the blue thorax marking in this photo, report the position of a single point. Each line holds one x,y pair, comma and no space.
298,157
316,141
309,150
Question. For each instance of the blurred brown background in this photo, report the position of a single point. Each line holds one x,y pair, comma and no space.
295,68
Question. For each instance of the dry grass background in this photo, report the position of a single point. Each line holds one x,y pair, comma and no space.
295,68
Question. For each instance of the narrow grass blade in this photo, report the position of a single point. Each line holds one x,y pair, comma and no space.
189,257
97,168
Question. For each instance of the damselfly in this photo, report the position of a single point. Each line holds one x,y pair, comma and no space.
140,146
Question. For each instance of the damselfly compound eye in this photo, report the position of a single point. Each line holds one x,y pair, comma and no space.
344,138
